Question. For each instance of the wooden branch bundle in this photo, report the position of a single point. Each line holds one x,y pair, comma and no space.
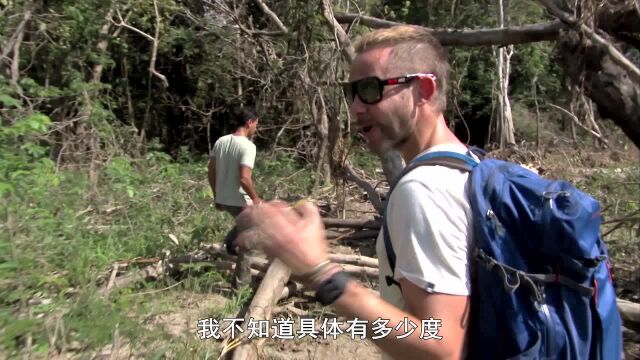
215,256
278,284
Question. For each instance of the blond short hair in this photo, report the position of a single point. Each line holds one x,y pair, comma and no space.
413,50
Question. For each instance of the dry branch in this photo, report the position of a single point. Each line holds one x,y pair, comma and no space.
15,64
374,197
359,235
352,224
262,264
154,51
155,271
354,260
261,306
17,35
630,313
154,42
577,122
341,36
272,15
481,37
112,278
364,271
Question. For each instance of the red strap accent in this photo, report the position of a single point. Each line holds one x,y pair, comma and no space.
610,271
595,292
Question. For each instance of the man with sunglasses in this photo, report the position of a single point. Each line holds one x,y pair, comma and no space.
397,91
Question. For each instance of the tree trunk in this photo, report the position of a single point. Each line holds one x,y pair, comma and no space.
505,132
322,129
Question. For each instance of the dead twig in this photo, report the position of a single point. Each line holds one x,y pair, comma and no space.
577,122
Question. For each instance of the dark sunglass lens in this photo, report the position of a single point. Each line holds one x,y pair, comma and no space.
368,90
348,92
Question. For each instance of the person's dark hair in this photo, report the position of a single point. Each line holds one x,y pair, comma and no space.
240,115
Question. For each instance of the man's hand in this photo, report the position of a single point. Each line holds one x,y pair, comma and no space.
294,235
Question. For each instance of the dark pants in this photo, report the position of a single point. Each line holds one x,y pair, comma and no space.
242,276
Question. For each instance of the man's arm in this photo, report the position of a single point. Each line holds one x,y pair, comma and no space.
212,175
247,183
446,340
358,301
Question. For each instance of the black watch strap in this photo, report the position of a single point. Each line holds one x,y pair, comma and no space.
332,288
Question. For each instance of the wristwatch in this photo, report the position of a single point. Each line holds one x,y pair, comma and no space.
331,289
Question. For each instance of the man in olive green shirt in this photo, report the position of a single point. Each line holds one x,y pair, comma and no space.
230,176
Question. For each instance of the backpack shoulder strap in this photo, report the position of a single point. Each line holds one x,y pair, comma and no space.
449,159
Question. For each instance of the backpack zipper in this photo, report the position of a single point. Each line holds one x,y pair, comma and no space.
550,332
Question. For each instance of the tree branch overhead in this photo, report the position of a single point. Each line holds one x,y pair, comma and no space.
482,37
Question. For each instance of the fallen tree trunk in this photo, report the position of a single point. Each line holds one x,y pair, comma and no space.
619,19
265,298
610,86
481,37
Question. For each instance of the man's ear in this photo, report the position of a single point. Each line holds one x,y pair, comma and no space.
427,87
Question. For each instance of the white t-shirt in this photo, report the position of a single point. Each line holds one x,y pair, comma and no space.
430,229
229,152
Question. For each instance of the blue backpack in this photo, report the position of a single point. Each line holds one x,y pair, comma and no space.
540,281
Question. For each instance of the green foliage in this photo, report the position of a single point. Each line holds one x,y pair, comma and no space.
51,249
283,177
366,161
